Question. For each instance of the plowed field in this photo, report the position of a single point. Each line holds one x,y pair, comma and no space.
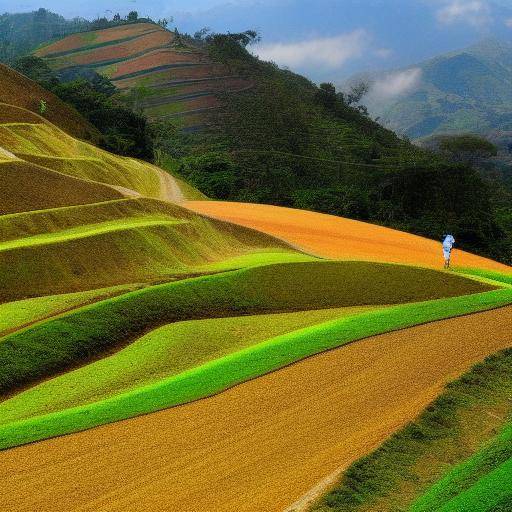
337,237
259,446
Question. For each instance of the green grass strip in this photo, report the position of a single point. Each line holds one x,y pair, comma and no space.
65,342
19,314
492,493
218,375
160,354
477,484
89,230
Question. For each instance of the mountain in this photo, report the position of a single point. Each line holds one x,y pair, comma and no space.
464,91
242,129
163,351
163,73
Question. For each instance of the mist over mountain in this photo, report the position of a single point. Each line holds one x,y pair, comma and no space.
327,40
469,90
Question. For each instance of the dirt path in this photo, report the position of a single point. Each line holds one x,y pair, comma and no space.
337,237
260,446
170,189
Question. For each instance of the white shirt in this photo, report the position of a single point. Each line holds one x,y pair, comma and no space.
448,242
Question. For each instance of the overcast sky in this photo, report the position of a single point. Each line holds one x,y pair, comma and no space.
323,39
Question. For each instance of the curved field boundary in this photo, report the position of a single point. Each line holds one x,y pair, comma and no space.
154,69
93,46
18,315
341,238
259,289
80,39
479,484
247,364
105,62
88,230
163,100
160,354
260,445
461,421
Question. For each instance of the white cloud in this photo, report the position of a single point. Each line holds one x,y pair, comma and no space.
508,23
327,52
473,12
384,53
395,84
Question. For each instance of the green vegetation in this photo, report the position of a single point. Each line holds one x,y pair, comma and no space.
285,141
462,91
20,33
217,375
272,288
124,131
162,353
19,314
450,428
136,240
480,484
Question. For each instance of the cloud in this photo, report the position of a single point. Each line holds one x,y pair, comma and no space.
508,23
384,53
327,52
396,84
473,12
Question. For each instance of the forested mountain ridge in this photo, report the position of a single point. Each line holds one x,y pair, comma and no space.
463,91
283,140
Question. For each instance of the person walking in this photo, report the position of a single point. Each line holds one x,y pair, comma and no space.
448,243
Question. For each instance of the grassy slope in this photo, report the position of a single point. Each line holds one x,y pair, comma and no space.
135,240
336,237
25,186
482,483
465,415
248,363
162,353
18,90
46,145
271,288
19,314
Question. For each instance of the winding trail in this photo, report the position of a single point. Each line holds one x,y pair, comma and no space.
340,238
258,447
170,190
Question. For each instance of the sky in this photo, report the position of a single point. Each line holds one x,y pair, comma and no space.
326,40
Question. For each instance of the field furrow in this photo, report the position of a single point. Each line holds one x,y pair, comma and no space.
261,445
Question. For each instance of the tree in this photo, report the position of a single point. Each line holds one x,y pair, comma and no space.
36,69
133,16
202,34
467,148
356,93
326,95
213,173
164,22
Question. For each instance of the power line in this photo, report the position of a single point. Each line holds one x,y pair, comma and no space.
322,159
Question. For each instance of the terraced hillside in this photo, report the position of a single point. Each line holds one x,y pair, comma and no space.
293,342
170,77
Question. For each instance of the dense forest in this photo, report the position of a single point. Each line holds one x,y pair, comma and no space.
289,142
